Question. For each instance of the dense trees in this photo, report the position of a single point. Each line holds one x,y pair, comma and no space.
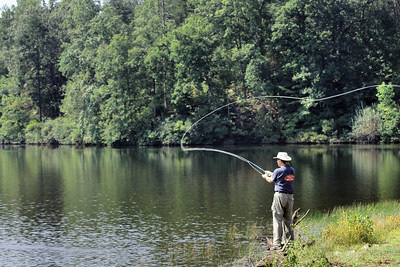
33,57
141,72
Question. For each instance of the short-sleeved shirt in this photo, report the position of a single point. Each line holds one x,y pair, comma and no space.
283,178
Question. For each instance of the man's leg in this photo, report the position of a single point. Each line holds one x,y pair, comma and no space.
277,218
287,218
277,228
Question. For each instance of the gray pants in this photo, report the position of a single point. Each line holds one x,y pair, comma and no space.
282,209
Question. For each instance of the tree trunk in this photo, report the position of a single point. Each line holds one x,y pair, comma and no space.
39,82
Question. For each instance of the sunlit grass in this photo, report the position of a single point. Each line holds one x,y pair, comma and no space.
359,235
351,228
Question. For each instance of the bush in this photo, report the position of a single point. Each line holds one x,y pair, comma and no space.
328,127
66,131
352,228
366,126
62,130
385,225
310,137
14,118
169,132
33,133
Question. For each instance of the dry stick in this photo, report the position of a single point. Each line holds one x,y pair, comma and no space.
286,243
251,261
288,240
301,218
295,215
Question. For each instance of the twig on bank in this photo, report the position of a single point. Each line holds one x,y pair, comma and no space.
301,218
295,215
286,243
251,261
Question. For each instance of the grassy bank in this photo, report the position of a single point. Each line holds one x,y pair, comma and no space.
358,235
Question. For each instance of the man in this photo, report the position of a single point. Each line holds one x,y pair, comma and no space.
282,205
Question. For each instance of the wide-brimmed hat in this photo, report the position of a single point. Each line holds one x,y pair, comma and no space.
283,156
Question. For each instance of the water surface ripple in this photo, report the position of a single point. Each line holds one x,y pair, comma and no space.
162,206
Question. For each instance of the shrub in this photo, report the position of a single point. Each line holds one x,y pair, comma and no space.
66,131
33,132
169,132
352,228
385,225
14,118
328,127
62,130
366,126
310,137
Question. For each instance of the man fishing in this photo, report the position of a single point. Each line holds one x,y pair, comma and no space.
282,205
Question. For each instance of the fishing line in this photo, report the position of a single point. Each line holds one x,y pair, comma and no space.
252,164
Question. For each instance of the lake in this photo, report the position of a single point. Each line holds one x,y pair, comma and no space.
162,206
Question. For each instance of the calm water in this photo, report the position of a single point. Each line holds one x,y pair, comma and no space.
151,206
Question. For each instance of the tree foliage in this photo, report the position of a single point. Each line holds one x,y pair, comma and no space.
389,112
14,117
34,54
141,72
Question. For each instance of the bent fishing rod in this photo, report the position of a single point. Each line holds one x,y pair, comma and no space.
252,164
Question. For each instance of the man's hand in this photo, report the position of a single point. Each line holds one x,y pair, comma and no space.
267,176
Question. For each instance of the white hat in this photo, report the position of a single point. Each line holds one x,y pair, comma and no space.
283,156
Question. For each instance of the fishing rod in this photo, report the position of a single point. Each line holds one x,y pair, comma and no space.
252,164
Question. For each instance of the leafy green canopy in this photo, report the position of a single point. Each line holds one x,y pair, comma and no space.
141,72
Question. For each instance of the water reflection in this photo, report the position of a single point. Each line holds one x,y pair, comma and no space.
102,206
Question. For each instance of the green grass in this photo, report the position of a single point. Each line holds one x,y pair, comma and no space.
334,238
358,235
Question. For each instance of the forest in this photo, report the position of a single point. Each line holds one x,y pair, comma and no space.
141,72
